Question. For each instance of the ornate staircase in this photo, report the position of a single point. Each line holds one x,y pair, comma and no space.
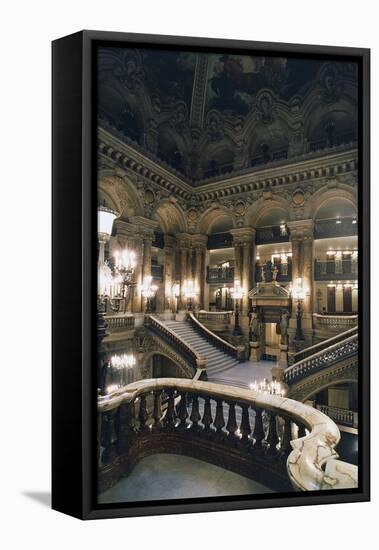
218,360
331,361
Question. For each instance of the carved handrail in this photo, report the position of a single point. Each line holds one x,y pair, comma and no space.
196,360
309,459
307,352
322,359
220,343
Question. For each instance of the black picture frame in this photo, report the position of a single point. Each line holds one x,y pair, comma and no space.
74,276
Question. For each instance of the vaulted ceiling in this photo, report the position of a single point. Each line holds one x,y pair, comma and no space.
209,115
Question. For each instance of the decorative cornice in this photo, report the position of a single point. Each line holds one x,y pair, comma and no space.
333,164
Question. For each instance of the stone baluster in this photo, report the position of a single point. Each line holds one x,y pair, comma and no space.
258,433
182,411
169,420
219,422
231,426
126,421
245,427
195,413
285,444
142,413
157,410
207,414
272,436
109,437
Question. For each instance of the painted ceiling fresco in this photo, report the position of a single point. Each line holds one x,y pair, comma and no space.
177,104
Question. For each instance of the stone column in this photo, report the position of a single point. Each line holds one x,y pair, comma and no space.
183,248
244,238
168,277
143,229
302,242
200,242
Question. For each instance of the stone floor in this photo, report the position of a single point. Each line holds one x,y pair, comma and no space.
167,476
244,374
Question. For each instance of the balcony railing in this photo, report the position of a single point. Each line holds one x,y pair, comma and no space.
334,322
220,275
120,322
220,240
343,270
325,229
215,317
284,444
271,234
343,417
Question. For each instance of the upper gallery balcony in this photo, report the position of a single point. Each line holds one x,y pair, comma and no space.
339,270
220,274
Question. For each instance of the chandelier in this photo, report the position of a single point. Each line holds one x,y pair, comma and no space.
120,367
266,387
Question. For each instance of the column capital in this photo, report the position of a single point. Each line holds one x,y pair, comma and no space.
144,226
169,241
199,241
184,240
243,235
301,229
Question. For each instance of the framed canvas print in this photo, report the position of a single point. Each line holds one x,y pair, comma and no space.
210,274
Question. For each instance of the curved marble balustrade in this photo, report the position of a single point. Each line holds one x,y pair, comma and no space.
289,446
325,358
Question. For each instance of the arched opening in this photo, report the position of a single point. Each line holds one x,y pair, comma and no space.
269,143
330,129
164,367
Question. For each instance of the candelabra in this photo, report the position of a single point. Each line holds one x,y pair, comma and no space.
237,293
299,293
148,291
